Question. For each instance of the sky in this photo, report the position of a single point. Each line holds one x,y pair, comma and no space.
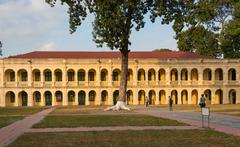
32,25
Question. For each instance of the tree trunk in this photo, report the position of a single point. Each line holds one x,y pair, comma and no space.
123,85
124,74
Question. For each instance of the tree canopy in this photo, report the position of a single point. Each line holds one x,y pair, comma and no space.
112,25
203,32
199,40
230,42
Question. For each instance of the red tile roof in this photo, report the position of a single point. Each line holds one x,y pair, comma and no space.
82,54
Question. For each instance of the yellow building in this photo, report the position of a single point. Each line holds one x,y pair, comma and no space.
92,78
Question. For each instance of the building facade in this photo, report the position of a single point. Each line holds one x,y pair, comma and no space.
93,78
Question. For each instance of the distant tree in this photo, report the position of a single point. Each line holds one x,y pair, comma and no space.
0,48
230,41
199,40
162,50
199,19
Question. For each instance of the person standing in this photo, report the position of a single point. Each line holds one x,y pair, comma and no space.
202,101
170,102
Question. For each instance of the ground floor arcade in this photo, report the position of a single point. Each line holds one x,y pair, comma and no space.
58,97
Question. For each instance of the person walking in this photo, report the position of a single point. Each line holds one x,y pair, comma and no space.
146,101
202,101
170,102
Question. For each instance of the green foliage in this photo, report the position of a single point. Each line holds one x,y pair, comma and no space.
197,23
230,42
113,21
162,50
199,40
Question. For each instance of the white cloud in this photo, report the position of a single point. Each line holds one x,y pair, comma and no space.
29,18
51,46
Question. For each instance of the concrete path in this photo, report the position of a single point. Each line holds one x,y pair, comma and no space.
9,133
118,128
222,123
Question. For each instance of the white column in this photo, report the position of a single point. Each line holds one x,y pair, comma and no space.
135,96
225,96
179,97
238,96
65,97
2,98
87,98
98,77
29,72
86,78
168,79
42,99
75,75
64,75
16,99
189,96
109,77
213,75
200,76
157,97
146,76
179,76
135,76
110,96
189,76
98,97
54,102
225,76
213,96
42,78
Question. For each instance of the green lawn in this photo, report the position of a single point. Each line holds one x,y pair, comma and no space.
19,111
147,138
6,120
9,115
103,120
84,110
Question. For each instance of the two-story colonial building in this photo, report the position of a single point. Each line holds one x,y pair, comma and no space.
93,78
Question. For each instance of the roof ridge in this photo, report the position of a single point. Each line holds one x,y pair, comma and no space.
109,54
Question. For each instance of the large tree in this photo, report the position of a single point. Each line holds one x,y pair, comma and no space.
230,41
113,22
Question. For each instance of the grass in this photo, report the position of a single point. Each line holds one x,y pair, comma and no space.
146,138
103,120
7,120
10,115
19,111
227,109
77,110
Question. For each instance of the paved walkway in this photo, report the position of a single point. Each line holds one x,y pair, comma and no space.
9,133
222,123
119,128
